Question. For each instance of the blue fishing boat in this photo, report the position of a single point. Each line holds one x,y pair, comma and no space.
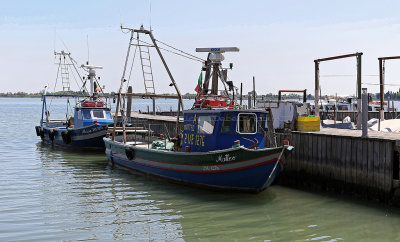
221,145
87,123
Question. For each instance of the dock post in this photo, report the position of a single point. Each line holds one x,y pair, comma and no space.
359,91
316,99
129,104
249,100
364,112
154,106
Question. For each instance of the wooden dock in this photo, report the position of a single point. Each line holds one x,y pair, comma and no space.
342,160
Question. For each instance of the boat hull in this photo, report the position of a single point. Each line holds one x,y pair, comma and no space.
90,137
232,169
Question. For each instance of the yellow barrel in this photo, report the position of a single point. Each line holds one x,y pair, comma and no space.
308,124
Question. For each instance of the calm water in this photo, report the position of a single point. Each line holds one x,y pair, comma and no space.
52,194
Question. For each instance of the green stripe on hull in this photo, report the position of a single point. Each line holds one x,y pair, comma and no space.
219,157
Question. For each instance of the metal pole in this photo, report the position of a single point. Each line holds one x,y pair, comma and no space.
359,92
382,87
154,106
254,92
241,93
316,100
364,112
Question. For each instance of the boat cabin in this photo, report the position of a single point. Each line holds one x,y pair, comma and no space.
208,130
91,112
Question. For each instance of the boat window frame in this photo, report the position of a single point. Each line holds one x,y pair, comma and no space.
224,121
238,122
104,114
212,117
84,117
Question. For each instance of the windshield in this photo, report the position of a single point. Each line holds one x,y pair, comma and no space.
98,114
86,114
108,115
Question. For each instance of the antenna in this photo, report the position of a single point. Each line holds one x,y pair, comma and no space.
55,37
150,14
87,42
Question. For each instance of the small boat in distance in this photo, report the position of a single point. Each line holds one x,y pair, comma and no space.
221,145
86,127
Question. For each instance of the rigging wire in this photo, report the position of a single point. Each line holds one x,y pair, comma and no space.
185,54
180,50
73,75
378,84
133,61
55,84
343,75
195,58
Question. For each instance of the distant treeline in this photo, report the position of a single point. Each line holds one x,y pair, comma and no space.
185,96
388,95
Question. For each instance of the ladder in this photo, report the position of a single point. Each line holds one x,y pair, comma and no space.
146,69
65,76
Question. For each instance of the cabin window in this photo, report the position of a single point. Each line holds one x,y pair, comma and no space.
227,123
206,124
261,123
98,114
108,115
247,123
86,114
80,115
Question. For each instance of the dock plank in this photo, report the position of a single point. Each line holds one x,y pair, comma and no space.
376,161
364,172
371,165
315,158
388,166
359,162
353,163
322,141
347,160
338,160
328,161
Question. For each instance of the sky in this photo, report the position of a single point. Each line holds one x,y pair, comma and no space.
278,41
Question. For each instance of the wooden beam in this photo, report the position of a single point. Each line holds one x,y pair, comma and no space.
144,95
338,57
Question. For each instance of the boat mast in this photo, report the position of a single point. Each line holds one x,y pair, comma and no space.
120,90
173,83
92,77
